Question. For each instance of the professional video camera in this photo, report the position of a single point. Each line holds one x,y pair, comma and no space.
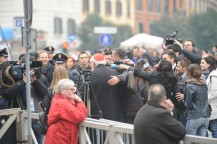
11,71
86,75
170,39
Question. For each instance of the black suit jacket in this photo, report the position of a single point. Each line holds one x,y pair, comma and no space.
155,125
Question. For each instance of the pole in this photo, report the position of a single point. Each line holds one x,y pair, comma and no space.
26,37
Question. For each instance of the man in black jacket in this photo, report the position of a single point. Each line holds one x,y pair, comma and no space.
154,123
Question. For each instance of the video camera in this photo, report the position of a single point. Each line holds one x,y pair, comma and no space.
11,71
86,75
170,38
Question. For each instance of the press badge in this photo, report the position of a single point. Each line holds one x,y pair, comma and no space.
32,108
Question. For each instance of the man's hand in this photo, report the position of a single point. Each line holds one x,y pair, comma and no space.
178,43
179,96
114,80
123,67
168,105
128,61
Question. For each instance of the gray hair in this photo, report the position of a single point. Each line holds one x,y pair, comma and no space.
63,84
156,93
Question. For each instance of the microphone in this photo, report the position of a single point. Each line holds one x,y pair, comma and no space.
114,66
174,33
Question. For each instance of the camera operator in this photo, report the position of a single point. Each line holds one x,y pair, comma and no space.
16,96
131,101
189,51
78,72
10,134
38,72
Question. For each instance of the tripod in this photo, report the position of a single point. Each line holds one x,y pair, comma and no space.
87,90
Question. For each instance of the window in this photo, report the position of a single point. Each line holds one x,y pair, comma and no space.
86,5
71,26
166,6
58,25
158,4
118,8
108,7
139,5
97,6
128,8
150,5
140,27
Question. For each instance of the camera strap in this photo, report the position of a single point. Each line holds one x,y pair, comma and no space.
7,75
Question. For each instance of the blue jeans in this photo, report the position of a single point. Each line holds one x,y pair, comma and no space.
197,126
213,124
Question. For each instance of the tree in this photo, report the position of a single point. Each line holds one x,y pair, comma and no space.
201,28
90,41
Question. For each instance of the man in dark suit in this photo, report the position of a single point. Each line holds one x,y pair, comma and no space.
108,97
154,123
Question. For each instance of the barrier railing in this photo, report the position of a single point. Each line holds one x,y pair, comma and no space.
122,133
91,131
20,117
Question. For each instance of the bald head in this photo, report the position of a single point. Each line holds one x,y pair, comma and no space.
156,93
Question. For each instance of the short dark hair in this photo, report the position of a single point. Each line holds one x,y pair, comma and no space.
184,62
156,93
81,54
191,42
175,48
120,52
170,53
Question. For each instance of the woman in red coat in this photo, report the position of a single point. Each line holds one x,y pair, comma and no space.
66,113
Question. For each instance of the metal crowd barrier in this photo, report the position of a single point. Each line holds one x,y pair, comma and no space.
121,133
20,117
91,131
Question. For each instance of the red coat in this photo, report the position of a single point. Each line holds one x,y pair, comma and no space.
63,120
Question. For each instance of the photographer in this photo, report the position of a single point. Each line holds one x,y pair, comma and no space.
189,51
16,96
10,134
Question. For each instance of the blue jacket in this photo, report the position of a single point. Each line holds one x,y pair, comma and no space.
196,99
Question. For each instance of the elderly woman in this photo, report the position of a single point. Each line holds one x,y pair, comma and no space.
66,113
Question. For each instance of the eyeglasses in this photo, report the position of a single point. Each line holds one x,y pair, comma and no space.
72,89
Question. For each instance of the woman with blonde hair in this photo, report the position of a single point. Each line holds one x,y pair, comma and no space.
60,72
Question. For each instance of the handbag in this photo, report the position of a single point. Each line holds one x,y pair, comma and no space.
131,84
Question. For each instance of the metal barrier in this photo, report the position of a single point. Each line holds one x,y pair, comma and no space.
90,131
20,117
121,133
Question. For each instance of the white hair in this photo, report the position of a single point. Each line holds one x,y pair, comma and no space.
64,84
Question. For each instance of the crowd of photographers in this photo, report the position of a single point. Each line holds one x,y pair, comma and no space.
188,76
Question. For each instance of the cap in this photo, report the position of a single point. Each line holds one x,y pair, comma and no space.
50,49
3,52
60,58
98,58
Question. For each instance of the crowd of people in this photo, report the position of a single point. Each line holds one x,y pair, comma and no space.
176,92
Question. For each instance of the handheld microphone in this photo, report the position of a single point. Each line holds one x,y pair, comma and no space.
114,66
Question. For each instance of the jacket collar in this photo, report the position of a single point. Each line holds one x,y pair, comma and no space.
196,81
153,103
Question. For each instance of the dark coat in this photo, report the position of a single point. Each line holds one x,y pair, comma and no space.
108,97
18,92
131,101
48,72
155,125
193,56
